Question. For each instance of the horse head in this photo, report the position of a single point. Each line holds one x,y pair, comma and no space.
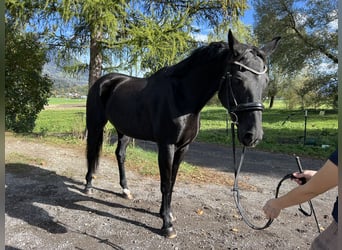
242,87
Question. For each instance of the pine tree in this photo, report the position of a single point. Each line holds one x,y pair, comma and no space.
119,34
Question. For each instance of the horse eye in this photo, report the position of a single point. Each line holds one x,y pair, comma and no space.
239,68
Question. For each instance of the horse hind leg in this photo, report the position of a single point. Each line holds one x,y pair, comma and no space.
94,144
120,153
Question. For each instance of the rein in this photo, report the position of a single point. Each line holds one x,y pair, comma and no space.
253,106
233,109
235,189
236,193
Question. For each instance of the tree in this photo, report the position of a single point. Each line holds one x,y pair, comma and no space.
26,90
309,36
122,33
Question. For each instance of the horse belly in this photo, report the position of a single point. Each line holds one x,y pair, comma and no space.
127,119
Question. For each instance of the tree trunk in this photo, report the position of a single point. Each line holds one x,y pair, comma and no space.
95,63
271,101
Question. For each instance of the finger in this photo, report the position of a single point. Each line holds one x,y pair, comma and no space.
298,175
267,212
298,181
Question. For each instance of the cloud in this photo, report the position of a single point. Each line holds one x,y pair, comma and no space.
333,25
200,37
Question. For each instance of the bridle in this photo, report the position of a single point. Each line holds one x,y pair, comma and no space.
243,107
233,108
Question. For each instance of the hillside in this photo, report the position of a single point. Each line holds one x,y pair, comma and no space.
64,83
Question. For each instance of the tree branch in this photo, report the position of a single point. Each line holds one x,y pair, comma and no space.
306,41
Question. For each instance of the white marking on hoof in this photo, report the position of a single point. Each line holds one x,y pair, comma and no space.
170,233
88,191
173,218
127,194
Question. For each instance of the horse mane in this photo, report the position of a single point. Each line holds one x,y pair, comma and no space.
200,56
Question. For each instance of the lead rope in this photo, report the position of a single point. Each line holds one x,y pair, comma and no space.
236,192
312,210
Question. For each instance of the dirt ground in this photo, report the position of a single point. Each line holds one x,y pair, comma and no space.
46,208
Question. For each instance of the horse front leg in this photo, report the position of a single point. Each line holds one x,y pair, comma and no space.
165,161
120,153
177,160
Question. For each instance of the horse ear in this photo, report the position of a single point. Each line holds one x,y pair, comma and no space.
271,46
232,41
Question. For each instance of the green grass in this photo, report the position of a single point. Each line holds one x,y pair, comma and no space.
63,101
61,122
283,129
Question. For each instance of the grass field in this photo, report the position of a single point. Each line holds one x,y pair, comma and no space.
64,101
283,129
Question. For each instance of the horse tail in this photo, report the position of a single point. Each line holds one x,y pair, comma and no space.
95,122
98,96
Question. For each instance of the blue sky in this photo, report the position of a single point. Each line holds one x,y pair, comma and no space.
247,19
248,16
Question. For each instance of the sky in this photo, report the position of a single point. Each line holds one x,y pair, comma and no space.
248,16
247,19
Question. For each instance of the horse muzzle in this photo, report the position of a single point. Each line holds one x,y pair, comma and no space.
250,138
250,131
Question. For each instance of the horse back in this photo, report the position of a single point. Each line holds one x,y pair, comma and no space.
146,108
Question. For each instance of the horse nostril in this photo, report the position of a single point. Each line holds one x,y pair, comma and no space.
247,139
250,139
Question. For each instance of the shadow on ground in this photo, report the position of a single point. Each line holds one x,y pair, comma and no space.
221,158
38,187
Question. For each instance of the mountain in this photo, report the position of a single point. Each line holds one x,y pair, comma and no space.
64,83
58,76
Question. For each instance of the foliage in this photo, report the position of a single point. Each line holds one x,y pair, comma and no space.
120,34
210,12
309,43
241,32
26,90
156,43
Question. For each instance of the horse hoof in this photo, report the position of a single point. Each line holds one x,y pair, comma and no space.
127,194
88,190
169,233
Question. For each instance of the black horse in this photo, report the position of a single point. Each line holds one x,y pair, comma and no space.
165,108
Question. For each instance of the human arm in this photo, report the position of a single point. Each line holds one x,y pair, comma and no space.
325,179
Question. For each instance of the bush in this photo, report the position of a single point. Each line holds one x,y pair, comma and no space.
26,89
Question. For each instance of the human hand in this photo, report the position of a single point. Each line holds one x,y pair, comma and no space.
271,209
307,174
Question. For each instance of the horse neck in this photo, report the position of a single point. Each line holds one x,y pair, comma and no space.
200,85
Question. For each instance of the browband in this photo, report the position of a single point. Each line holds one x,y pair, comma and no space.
250,69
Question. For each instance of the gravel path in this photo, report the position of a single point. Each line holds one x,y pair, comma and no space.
46,208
